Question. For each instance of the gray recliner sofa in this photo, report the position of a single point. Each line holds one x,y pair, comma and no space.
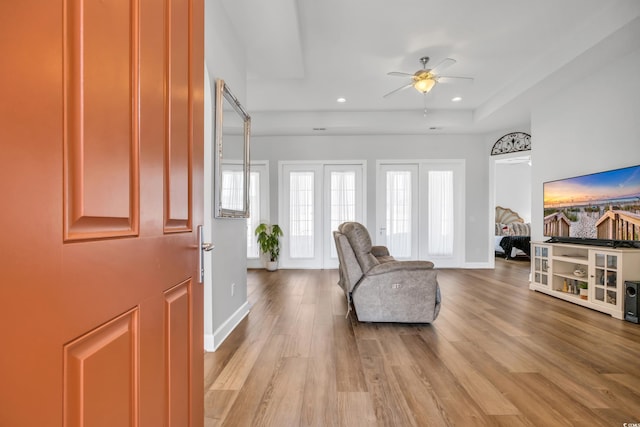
381,288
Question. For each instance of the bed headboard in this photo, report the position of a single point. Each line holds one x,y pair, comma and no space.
507,216
509,223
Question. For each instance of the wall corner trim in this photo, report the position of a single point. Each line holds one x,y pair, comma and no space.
213,341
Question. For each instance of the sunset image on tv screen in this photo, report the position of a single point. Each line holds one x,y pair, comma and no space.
603,205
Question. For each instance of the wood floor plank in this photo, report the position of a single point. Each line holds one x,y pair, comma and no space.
281,403
480,388
218,404
319,404
420,396
299,344
498,355
349,372
451,395
564,404
355,410
243,361
390,407
248,400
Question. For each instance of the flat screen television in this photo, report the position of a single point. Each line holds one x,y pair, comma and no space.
601,208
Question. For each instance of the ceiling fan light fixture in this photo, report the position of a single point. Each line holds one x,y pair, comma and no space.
424,85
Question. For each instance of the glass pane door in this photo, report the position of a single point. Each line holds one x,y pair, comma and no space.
344,201
398,210
606,279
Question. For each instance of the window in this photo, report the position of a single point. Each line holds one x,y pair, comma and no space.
342,202
231,196
399,207
301,214
258,208
441,215
253,250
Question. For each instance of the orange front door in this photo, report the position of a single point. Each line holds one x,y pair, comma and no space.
101,181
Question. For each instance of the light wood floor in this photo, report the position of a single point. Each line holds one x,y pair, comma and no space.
498,355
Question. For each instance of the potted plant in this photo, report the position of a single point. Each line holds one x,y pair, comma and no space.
268,239
584,291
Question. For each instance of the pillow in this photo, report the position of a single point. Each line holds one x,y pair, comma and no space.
502,229
519,229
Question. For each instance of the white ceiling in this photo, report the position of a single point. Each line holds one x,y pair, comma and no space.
304,54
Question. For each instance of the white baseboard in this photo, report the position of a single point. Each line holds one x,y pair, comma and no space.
213,341
478,265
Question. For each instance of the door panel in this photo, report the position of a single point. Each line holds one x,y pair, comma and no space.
397,209
178,113
343,201
100,119
300,201
93,395
102,139
178,349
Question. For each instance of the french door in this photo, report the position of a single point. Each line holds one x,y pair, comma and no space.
314,199
420,210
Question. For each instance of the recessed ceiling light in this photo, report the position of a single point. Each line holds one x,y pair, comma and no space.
341,100
456,99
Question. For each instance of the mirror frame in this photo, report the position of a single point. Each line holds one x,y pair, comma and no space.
224,94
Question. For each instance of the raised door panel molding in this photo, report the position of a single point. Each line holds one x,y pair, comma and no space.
93,395
101,142
178,118
178,337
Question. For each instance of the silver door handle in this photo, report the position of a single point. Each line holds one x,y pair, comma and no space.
202,248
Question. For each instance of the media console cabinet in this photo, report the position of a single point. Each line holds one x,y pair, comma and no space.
562,269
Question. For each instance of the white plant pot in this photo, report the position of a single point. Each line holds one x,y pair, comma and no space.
272,265
584,293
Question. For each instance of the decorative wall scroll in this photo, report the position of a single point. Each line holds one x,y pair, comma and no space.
512,143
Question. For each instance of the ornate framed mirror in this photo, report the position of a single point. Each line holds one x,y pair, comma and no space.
231,157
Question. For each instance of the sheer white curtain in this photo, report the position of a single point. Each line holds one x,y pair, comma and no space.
343,200
231,195
441,215
399,213
301,214
253,250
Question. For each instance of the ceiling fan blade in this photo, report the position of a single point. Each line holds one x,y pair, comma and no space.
398,90
444,64
399,74
452,79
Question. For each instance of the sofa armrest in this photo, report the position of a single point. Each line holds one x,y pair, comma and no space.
393,266
378,251
404,295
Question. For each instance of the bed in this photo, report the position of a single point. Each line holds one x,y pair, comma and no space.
512,234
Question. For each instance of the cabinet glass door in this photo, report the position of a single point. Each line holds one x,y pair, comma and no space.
541,265
605,290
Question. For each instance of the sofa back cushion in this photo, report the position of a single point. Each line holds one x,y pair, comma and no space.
349,267
360,242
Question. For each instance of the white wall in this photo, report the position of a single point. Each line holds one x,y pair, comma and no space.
590,126
513,188
226,264
379,147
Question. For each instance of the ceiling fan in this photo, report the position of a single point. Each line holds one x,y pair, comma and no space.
425,79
